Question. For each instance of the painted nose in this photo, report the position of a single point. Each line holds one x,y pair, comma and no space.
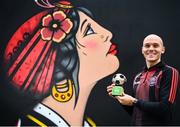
107,36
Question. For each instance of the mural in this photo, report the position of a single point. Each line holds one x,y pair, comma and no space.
59,56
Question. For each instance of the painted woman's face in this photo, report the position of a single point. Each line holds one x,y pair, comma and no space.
95,50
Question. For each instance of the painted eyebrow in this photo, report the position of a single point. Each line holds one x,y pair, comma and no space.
83,24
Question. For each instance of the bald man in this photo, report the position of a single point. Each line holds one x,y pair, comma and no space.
154,87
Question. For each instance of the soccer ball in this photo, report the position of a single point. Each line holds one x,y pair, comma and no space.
119,79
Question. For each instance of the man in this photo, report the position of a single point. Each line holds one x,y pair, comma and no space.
155,87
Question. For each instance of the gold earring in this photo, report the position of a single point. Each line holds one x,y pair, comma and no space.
63,92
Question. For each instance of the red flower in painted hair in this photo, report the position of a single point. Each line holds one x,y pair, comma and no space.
55,26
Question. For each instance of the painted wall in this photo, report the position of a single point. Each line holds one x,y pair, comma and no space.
130,21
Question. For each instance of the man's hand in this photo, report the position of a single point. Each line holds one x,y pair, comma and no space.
126,99
109,89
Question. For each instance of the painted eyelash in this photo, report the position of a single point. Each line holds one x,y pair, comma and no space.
87,28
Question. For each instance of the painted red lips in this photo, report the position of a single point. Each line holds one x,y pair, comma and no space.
112,50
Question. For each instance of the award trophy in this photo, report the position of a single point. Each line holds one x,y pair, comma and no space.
118,80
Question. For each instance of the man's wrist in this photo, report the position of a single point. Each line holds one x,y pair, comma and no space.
135,101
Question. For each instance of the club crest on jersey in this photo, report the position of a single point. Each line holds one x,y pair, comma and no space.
152,81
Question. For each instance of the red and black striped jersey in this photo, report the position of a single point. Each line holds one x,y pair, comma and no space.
155,88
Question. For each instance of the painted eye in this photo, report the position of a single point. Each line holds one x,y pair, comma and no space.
89,31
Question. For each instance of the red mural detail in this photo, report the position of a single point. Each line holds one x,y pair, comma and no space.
29,67
29,27
28,64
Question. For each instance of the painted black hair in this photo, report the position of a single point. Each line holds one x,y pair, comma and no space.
67,61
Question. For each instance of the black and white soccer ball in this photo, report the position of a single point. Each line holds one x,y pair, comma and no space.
119,79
